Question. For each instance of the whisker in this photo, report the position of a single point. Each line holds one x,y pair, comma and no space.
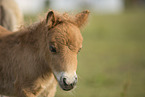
79,77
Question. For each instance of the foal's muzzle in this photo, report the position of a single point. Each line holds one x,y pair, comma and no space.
67,81
66,84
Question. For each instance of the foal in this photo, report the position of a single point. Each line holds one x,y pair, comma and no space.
37,57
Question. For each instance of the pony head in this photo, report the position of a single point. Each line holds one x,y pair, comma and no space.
64,42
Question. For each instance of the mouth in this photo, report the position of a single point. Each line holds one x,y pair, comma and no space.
67,88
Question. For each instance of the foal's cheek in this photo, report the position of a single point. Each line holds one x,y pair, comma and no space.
56,63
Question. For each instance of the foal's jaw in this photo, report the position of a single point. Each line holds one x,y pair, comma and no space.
67,81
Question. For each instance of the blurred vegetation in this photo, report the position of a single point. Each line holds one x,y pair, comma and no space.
112,61
129,4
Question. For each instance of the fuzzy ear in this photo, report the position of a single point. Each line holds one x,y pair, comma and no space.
81,18
50,19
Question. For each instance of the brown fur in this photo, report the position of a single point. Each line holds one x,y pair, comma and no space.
10,15
26,63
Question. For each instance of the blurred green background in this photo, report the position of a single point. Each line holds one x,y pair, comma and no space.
112,61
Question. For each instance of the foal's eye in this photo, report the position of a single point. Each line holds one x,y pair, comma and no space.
52,49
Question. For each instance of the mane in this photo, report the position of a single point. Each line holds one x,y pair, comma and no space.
65,17
59,18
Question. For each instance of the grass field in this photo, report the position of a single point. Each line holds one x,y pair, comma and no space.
112,61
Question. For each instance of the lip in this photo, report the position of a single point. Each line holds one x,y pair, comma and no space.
66,87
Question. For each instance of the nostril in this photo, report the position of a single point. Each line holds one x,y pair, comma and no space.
64,81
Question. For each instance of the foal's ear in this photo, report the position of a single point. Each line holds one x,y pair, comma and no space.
50,19
81,18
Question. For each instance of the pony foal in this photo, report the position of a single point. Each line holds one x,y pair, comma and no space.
35,58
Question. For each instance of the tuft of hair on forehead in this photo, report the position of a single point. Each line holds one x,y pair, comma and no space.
53,18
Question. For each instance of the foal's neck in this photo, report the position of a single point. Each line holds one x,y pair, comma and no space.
32,39
25,50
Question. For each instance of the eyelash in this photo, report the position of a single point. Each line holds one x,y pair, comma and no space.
52,49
